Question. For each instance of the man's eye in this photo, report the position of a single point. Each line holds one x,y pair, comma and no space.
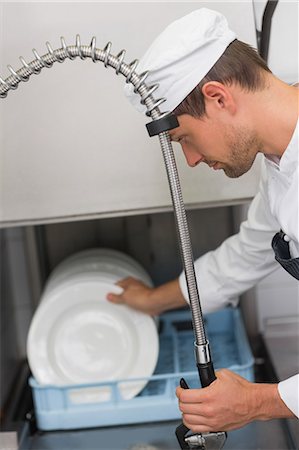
178,139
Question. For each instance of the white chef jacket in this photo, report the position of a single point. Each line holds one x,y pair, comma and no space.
245,258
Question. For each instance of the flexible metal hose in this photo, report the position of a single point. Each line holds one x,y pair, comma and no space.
152,105
183,236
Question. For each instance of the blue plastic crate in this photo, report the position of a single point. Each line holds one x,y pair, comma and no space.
58,408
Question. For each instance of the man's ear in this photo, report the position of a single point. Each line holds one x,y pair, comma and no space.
218,96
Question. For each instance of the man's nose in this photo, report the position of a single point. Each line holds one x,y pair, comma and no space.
193,158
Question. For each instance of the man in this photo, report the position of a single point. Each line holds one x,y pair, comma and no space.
230,107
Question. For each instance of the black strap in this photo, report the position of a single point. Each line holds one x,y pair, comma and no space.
280,246
283,256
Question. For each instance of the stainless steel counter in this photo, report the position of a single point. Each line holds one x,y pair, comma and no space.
256,436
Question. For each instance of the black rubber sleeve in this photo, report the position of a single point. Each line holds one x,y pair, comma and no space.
206,373
165,124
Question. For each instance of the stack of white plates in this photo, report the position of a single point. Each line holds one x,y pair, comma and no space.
78,337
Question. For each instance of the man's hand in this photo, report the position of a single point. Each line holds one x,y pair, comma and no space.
230,402
151,301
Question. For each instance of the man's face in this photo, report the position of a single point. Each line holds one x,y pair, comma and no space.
220,145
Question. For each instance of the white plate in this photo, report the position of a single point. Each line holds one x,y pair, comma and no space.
77,336
96,261
89,258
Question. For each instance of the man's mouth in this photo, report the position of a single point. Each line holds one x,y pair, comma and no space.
216,166
212,164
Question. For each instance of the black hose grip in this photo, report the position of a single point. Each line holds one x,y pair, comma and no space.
164,124
206,373
181,431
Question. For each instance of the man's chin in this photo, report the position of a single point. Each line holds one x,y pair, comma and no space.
232,172
236,172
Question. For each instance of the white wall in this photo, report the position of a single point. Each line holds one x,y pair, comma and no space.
72,146
284,42
284,39
277,296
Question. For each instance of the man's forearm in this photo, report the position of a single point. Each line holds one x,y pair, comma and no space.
153,301
166,297
267,403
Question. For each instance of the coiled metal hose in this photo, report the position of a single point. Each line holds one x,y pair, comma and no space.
152,106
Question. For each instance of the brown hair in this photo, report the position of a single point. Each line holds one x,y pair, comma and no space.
240,63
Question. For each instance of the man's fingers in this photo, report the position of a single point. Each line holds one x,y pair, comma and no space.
196,424
196,408
114,298
125,282
116,294
194,419
191,395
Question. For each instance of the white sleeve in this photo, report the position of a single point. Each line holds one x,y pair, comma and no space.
289,393
241,261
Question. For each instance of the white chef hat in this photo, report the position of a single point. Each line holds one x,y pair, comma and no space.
182,55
